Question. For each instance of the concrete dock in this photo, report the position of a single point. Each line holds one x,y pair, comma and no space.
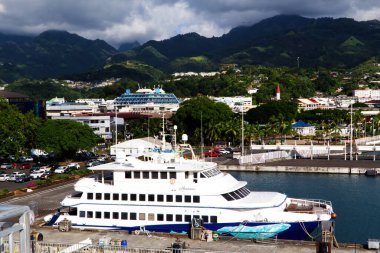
160,243
333,166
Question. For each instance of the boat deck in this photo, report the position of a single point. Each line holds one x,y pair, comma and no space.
305,209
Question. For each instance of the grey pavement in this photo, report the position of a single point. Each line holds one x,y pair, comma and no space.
162,242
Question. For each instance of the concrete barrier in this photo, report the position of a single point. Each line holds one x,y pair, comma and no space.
297,169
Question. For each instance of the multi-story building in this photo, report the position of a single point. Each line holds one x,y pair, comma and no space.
147,101
100,123
366,95
236,103
68,108
344,101
305,104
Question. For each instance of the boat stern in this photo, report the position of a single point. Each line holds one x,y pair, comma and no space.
321,208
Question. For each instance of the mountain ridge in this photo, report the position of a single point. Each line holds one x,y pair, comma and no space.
274,41
51,54
283,40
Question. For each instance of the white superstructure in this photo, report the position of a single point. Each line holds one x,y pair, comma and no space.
165,193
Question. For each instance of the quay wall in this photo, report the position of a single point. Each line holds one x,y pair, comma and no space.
297,169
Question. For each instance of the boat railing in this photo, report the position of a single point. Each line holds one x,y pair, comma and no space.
314,202
317,206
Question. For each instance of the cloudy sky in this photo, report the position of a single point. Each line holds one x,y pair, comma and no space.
118,21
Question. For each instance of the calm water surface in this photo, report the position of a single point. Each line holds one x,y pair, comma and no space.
355,199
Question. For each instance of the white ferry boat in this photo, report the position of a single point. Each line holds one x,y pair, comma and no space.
164,193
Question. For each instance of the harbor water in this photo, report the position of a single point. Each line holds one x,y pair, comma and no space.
355,198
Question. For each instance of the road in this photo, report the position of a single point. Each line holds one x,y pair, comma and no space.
42,201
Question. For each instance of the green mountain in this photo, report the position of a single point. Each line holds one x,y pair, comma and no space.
128,45
131,70
277,41
51,54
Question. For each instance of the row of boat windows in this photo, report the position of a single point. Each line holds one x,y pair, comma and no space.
238,194
211,173
150,174
146,216
166,175
144,197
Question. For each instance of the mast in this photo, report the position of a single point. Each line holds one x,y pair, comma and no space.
202,143
115,126
163,130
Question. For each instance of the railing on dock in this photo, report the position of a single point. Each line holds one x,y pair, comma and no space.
43,247
263,157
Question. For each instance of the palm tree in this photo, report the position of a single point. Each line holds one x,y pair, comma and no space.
356,120
282,125
212,131
230,130
273,127
375,123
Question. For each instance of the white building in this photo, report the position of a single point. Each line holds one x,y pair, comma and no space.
366,95
68,108
91,101
344,101
101,124
303,128
236,103
305,104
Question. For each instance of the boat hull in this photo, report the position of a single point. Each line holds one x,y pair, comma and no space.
253,230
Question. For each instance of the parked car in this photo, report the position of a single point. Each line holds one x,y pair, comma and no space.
92,163
6,166
211,153
14,175
37,174
73,165
4,177
22,178
24,159
223,151
35,167
61,170
46,174
22,166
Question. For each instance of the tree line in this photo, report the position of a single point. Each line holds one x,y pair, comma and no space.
19,133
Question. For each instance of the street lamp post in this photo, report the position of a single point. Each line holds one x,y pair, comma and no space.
175,136
373,127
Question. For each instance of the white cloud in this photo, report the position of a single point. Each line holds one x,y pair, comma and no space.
117,21
2,8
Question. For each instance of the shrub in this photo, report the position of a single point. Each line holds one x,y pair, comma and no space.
31,185
4,191
41,182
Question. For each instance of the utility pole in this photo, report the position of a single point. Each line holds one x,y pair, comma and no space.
202,142
298,62
351,158
242,130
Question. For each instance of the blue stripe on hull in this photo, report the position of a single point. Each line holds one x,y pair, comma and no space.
296,231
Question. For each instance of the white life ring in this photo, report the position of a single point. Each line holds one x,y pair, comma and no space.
172,181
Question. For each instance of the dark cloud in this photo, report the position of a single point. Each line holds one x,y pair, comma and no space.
127,20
